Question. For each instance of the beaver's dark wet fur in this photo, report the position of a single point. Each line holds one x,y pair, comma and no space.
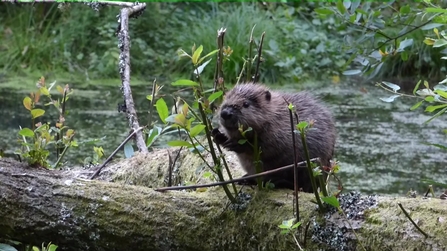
267,113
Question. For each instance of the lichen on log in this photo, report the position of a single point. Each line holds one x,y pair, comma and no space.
119,212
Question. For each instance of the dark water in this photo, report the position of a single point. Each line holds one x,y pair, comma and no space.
380,145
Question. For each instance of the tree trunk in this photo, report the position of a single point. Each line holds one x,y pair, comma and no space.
38,205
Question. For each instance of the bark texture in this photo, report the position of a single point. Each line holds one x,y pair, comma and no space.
38,205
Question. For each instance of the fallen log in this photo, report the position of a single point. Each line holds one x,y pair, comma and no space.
38,205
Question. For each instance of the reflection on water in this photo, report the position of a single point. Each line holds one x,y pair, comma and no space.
379,146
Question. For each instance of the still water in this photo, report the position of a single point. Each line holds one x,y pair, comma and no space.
380,145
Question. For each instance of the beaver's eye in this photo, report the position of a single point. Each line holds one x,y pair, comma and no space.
245,104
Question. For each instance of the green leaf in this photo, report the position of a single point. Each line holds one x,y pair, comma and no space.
404,56
196,55
331,200
27,103
179,143
436,115
162,109
35,113
52,247
44,91
209,54
241,141
324,11
182,53
405,9
26,132
436,10
341,7
429,41
417,87
215,95
185,82
302,125
433,108
149,97
196,130
442,93
153,134
415,106
443,147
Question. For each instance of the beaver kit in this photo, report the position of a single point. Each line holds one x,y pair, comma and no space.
266,112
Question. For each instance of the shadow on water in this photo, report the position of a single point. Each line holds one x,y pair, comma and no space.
379,146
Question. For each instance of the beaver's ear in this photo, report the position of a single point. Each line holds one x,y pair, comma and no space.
268,95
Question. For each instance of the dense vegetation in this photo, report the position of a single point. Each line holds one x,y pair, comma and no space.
300,43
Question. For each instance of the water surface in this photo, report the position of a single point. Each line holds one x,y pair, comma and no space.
379,145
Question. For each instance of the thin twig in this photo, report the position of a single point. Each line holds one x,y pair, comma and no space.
295,169
218,75
114,152
259,59
414,223
233,180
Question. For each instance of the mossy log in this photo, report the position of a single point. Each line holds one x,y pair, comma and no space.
38,205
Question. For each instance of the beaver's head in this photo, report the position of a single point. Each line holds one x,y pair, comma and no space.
245,105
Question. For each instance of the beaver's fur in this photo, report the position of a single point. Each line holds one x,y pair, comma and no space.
267,113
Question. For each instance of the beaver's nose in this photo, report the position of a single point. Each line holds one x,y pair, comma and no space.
226,113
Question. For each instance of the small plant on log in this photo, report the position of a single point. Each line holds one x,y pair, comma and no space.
37,140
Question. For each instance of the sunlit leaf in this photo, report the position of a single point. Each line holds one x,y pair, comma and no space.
392,86
162,109
433,108
182,53
302,125
440,86
425,92
27,103
196,55
196,130
436,10
26,132
352,72
185,82
390,99
439,42
415,106
44,91
35,113
416,87
179,143
442,93
200,69
324,11
429,41
128,150
430,26
6,247
215,95
404,44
